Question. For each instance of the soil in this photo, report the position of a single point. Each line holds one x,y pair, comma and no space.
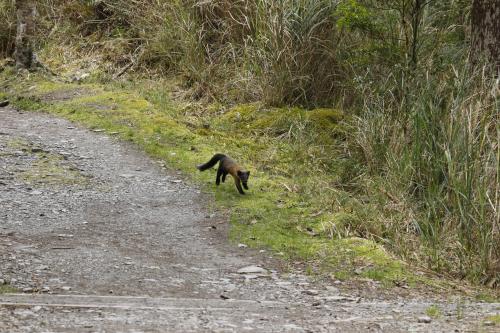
100,238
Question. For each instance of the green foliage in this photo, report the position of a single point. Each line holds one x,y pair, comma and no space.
433,311
7,28
352,15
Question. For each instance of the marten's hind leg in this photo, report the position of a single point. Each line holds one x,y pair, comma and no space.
219,174
224,174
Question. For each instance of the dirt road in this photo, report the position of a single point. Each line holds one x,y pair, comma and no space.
102,239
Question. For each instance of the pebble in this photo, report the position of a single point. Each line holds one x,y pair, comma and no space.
424,319
332,289
253,270
311,292
242,246
489,323
66,288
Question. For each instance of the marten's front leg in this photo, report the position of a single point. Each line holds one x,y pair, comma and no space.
238,185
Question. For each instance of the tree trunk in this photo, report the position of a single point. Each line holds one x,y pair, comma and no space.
23,54
485,31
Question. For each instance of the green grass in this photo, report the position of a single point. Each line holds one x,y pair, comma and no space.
7,289
433,311
494,318
45,168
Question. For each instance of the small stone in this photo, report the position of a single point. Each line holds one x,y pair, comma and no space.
66,288
253,270
242,246
27,290
127,175
311,292
2,281
489,323
424,319
332,289
4,103
36,192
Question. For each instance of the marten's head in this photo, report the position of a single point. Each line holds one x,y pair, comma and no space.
244,175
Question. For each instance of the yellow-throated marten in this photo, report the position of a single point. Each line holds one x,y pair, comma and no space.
227,165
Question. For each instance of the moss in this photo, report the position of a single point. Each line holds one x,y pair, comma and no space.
45,168
433,311
495,319
49,169
7,289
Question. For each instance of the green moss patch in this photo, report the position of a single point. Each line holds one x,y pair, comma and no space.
7,289
41,167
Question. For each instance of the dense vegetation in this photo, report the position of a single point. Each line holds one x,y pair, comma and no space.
411,161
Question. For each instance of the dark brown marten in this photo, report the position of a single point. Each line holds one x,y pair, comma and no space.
227,165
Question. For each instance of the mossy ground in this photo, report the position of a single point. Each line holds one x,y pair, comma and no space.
6,289
296,206
43,167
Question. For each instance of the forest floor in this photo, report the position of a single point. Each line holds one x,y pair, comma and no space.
97,237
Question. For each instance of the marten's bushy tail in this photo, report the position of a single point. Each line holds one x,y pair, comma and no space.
213,161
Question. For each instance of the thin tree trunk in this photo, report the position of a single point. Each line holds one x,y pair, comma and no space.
485,31
23,54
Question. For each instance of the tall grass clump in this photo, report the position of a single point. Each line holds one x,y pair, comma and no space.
439,153
7,28
280,52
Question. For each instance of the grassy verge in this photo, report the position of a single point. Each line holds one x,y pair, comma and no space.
299,204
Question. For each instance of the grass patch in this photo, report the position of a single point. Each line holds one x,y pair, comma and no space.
433,311
7,289
495,319
43,167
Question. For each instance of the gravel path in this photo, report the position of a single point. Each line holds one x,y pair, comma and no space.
102,239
